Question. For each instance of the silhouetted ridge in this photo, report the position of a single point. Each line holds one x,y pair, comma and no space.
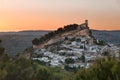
60,30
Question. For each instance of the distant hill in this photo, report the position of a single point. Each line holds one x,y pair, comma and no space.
35,31
108,36
16,42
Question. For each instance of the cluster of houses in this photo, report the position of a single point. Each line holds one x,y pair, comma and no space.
76,52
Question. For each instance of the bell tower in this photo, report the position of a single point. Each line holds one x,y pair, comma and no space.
86,21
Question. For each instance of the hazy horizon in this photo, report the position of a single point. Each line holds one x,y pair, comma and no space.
49,30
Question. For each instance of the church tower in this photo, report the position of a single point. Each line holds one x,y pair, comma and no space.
86,22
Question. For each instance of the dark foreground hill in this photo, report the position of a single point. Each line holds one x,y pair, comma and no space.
16,42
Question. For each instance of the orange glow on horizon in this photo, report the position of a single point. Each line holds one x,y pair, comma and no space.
29,25
49,15
19,22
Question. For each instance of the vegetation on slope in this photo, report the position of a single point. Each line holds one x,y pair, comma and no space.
22,69
103,70
48,36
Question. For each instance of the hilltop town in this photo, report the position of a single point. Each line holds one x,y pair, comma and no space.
72,48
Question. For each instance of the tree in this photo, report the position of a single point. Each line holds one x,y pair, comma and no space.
66,38
69,60
20,69
35,41
70,27
2,50
81,47
105,53
119,55
60,30
4,59
90,33
42,74
83,58
106,70
0,41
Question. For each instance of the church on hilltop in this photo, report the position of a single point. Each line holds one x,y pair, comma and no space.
84,25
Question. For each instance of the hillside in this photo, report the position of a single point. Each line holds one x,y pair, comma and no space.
54,36
24,69
70,48
108,36
17,42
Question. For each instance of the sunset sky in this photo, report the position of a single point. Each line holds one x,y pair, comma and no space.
17,15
